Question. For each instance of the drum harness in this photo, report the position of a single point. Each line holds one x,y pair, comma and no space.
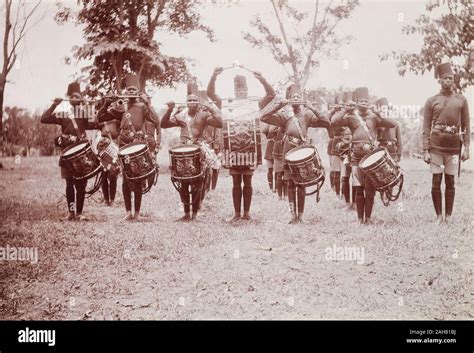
303,139
386,195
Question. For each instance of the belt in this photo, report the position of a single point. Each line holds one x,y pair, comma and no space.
452,129
293,140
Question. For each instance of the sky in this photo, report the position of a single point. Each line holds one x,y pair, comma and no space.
41,74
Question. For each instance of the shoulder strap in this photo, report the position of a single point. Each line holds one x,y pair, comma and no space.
364,126
298,126
76,128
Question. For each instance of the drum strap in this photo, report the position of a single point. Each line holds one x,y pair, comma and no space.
364,126
76,128
298,126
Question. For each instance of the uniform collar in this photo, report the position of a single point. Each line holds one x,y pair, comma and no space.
446,92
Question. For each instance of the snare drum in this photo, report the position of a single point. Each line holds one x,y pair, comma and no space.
81,160
305,165
108,154
186,163
381,169
136,161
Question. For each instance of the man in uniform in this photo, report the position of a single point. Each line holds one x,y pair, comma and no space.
446,127
295,122
363,123
240,175
390,138
73,128
193,122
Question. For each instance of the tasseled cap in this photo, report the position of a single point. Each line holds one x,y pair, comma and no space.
361,93
131,80
73,87
443,69
240,83
292,89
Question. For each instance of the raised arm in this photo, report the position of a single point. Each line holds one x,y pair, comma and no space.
211,87
269,91
151,114
316,119
214,117
48,117
166,122
339,118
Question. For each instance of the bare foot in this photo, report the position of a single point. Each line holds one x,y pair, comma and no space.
128,217
70,217
81,217
246,217
235,218
137,217
194,217
185,218
293,220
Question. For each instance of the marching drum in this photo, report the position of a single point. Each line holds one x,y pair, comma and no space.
81,160
137,162
305,166
384,173
186,163
108,154
242,143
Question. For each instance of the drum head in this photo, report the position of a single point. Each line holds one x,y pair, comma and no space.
74,149
185,149
372,158
299,154
133,149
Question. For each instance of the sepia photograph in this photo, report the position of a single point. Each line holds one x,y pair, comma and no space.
236,160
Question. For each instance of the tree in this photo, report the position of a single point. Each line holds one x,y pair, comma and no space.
302,52
16,28
120,36
447,32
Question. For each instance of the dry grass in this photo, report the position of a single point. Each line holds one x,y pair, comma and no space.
266,269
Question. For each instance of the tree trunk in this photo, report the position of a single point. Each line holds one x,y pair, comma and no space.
2,93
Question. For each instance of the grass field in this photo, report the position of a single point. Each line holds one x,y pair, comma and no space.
265,269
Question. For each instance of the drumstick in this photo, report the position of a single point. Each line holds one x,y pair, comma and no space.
419,156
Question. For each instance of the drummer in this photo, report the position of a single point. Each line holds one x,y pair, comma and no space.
363,123
295,123
192,121
73,125
391,139
135,112
240,174
109,117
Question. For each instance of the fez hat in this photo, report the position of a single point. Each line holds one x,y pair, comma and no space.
192,88
382,102
131,80
361,93
292,89
443,69
73,87
348,96
240,83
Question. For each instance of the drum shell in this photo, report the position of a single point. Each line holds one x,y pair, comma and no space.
137,165
83,163
186,166
384,173
307,171
242,137
108,155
